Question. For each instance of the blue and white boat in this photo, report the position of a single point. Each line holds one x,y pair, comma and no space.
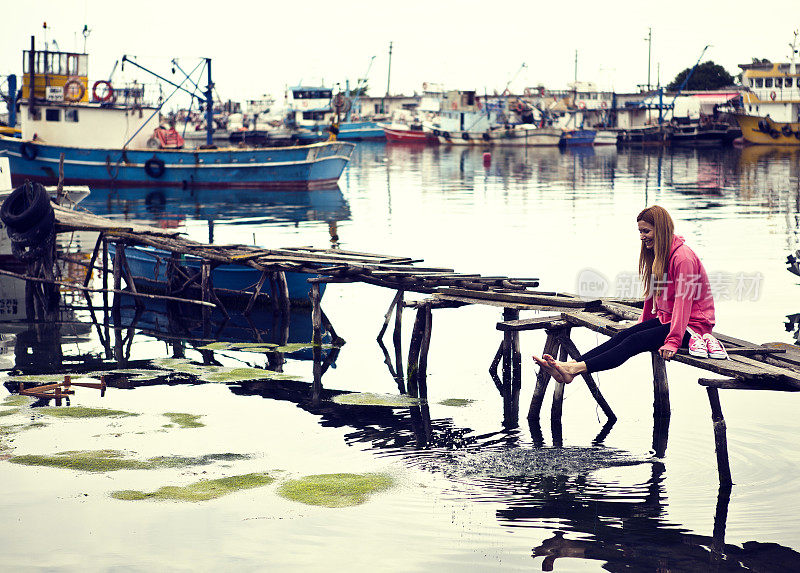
115,137
149,272
309,109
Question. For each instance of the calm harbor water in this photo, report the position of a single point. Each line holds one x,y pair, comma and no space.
468,494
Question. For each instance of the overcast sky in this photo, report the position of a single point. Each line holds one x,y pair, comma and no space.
261,46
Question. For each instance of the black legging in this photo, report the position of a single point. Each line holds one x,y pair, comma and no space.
647,335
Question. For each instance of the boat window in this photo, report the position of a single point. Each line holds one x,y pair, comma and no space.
787,82
71,115
778,82
314,115
752,83
759,82
35,114
767,82
52,115
326,94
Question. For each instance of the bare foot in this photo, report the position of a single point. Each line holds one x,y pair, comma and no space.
562,371
544,365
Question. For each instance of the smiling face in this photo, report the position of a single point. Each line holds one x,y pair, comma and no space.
647,234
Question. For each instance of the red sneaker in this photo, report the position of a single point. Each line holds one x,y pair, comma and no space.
714,348
697,347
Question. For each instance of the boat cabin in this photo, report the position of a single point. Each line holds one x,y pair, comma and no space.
308,106
58,107
773,90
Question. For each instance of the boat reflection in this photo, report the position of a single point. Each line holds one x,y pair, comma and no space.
168,206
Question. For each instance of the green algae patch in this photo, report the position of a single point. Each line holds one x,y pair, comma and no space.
184,420
297,346
335,490
216,346
456,402
16,400
186,461
9,412
371,399
202,490
87,461
43,378
83,412
241,374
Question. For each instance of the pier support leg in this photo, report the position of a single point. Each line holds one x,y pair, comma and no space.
512,365
661,407
720,437
397,339
558,403
316,324
551,346
414,348
205,277
106,306
575,354
116,314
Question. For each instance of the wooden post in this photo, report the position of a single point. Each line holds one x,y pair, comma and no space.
720,523
558,398
720,437
511,371
575,354
283,288
661,408
413,352
493,367
423,357
87,279
115,308
256,292
106,307
542,378
205,276
316,324
397,338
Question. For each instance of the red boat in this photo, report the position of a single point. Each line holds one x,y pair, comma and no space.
399,133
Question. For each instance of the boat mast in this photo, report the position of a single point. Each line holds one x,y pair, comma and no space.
649,46
209,106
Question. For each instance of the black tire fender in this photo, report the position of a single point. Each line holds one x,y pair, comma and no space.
28,150
25,206
154,167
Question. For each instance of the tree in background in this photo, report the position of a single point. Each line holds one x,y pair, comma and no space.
706,76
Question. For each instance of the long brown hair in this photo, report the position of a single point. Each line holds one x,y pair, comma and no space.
653,263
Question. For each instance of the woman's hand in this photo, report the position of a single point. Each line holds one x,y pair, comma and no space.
666,354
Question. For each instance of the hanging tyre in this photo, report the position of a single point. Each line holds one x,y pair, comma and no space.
34,235
28,150
154,167
25,207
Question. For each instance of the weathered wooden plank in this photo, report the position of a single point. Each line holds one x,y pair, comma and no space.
524,298
532,323
752,384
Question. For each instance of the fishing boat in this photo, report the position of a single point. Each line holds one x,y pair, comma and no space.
148,267
310,111
113,136
467,119
770,108
412,133
574,137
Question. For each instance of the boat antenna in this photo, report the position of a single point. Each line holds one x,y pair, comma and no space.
86,31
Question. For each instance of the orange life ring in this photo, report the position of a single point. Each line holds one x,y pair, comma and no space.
603,104
454,105
582,105
506,92
109,91
772,95
69,94
305,104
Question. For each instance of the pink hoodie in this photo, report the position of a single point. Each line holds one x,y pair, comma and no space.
686,300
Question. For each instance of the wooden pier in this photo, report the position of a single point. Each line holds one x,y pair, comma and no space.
773,366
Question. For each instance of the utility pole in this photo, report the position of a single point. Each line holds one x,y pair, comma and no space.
388,79
649,46
576,67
